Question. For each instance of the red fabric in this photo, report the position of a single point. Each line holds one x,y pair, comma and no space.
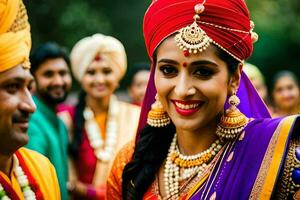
8,189
87,161
32,182
165,17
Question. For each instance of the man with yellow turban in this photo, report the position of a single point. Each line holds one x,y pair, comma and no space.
24,174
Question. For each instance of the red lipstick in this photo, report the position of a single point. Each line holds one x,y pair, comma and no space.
186,108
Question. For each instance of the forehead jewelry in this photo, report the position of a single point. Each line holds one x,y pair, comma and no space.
192,38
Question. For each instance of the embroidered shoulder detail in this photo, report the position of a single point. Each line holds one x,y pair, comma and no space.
290,180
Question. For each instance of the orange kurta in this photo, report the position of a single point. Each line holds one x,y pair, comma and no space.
41,170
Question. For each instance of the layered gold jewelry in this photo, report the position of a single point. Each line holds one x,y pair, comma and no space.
233,121
157,116
103,149
193,39
180,167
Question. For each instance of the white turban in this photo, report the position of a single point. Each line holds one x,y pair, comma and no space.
85,51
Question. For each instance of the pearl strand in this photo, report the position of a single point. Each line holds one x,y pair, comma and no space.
173,173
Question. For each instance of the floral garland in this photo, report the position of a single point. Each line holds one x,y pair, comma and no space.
103,149
24,184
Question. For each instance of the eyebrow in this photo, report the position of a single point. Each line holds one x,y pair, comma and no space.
204,62
198,62
19,79
165,60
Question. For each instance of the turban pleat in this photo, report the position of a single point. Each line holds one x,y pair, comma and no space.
15,40
85,51
164,18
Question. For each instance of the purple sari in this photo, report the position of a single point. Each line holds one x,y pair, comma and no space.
247,169
250,166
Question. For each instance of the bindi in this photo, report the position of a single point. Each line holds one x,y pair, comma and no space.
184,64
97,58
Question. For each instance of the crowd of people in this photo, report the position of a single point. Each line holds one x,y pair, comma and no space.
199,122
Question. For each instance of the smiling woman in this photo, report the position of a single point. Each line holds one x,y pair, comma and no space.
286,94
208,133
100,124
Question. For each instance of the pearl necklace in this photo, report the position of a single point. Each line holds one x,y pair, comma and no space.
180,167
103,149
24,184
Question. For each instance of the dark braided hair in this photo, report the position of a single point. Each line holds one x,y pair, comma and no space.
152,149
149,154
78,126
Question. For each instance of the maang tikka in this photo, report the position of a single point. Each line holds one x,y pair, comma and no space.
192,38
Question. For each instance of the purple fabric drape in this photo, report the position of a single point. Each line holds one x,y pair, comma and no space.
235,179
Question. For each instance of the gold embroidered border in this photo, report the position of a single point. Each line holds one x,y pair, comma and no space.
266,177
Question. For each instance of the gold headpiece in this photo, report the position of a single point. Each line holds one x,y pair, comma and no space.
192,38
254,36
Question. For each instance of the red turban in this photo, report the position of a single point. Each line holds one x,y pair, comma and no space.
165,17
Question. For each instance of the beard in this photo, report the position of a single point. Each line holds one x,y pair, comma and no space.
48,95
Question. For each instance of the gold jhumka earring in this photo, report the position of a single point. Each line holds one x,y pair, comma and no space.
157,116
233,121
192,38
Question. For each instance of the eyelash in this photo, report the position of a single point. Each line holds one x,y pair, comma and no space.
12,87
168,70
202,72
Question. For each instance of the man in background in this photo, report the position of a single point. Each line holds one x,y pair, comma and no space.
138,76
47,133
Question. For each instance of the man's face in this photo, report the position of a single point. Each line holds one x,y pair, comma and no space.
138,87
16,105
53,80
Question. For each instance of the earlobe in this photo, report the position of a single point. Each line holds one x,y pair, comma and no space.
235,80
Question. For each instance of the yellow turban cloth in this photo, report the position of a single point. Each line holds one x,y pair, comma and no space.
85,51
15,40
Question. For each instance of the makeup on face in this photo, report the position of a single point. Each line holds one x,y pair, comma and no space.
186,108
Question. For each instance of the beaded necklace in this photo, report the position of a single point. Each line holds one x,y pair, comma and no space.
103,149
180,167
23,182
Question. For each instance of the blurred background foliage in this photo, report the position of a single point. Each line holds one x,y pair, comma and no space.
67,21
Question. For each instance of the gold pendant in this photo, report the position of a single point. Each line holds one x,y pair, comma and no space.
192,38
